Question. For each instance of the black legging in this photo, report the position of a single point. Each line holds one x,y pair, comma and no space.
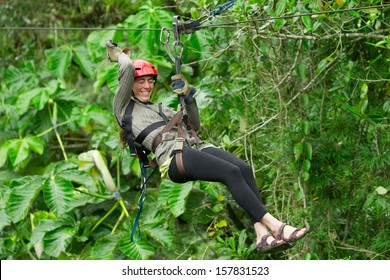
216,165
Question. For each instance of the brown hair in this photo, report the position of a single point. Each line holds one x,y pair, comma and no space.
123,138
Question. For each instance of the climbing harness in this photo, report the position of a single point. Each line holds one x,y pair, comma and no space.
179,119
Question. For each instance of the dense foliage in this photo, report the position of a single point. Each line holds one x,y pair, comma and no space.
304,100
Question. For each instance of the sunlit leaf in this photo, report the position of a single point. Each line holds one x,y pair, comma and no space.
5,219
25,99
177,198
58,193
36,144
18,151
58,240
140,250
81,57
298,150
59,60
160,234
104,248
307,22
23,193
46,226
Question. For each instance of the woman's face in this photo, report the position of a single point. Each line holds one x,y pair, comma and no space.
143,88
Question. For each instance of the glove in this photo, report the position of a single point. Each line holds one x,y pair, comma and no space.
113,51
181,87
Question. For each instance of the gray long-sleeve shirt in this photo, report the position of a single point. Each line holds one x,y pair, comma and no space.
145,114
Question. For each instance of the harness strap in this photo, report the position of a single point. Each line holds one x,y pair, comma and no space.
179,148
174,120
144,133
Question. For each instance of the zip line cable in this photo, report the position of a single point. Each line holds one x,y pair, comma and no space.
299,15
206,26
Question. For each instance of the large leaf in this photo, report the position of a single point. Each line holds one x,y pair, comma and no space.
5,220
81,57
58,240
78,176
16,78
59,60
58,193
140,250
4,152
23,193
24,100
175,196
97,39
18,151
148,17
46,226
104,249
36,144
160,234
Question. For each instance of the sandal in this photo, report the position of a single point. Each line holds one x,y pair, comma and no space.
262,246
293,236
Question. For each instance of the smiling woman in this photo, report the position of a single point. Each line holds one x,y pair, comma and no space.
180,153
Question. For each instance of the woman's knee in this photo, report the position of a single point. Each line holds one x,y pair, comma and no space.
247,170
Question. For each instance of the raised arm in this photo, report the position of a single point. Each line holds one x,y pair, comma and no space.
126,74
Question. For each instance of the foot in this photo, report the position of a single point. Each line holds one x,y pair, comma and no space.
290,234
267,243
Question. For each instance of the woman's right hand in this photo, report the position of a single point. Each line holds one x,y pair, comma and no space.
113,51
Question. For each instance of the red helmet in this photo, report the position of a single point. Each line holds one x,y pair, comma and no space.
144,68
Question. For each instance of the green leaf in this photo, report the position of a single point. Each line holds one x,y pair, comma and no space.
18,151
25,99
307,22
36,144
81,57
306,165
112,77
99,115
297,151
4,152
96,42
58,240
242,240
140,250
352,109
308,150
46,226
305,127
363,104
160,234
78,176
104,248
59,60
175,196
5,219
23,193
58,193
301,70
321,66
280,6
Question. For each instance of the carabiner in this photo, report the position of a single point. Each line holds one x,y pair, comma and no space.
161,35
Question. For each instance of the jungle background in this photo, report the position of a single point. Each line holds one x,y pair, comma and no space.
304,100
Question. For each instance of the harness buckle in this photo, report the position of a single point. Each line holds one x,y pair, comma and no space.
179,143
